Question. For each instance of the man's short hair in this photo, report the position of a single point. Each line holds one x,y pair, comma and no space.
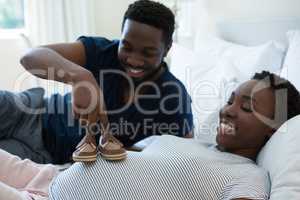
154,14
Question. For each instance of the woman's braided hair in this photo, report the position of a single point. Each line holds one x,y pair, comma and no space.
278,83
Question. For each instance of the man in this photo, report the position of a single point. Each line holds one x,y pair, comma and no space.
177,168
137,97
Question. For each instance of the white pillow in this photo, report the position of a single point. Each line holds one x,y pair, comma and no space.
183,59
291,64
215,68
281,157
248,60
209,93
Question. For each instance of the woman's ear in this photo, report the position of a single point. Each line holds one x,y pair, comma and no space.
271,132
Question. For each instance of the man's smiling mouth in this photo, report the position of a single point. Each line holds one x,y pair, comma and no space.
135,73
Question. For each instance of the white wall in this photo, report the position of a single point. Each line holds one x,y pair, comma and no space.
11,49
109,15
249,9
245,10
206,14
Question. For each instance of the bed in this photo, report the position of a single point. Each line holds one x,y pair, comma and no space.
259,39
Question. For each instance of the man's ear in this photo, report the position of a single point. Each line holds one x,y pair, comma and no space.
168,47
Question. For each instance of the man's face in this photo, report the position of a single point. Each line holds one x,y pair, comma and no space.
240,129
141,49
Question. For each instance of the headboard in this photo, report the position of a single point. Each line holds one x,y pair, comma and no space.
256,31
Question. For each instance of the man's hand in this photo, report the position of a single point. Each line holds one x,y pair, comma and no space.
88,101
85,95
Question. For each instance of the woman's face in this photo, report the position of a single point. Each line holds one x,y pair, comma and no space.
240,128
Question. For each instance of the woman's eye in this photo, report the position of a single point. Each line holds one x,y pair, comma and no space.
230,101
246,108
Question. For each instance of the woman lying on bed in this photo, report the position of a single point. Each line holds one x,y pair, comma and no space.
177,168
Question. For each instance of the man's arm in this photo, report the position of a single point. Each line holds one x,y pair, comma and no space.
59,62
64,63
